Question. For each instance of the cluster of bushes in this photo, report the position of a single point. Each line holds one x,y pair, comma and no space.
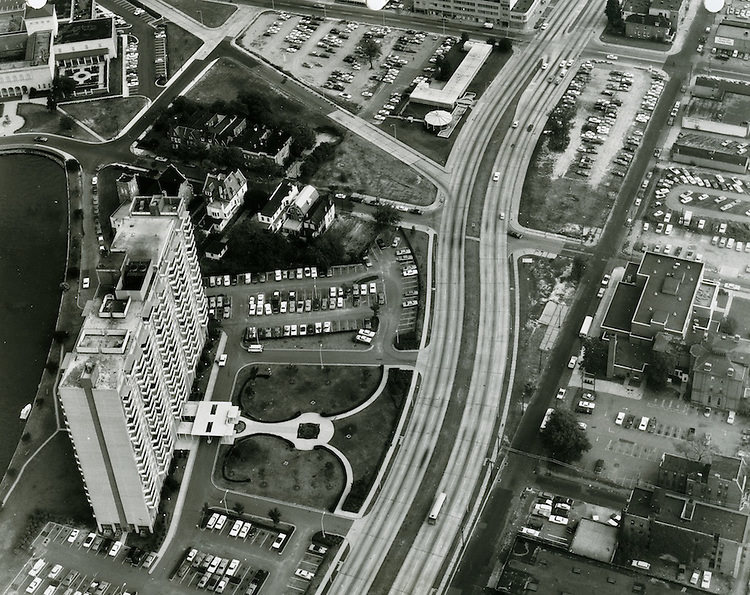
319,155
34,524
256,250
558,127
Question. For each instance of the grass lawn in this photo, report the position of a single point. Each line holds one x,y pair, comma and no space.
359,166
418,242
299,389
180,46
211,14
364,438
416,136
51,484
740,313
40,119
270,467
560,205
106,116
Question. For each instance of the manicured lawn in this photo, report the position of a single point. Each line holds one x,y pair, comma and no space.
364,438
300,389
359,166
740,313
106,116
270,467
40,119
180,46
210,14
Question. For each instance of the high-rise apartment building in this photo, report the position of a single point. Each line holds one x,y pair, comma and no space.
125,383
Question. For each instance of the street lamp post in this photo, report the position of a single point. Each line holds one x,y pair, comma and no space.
322,528
200,12
320,352
225,500
394,131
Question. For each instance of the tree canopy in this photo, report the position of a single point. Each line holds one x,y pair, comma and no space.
613,10
563,439
594,360
370,49
659,368
386,217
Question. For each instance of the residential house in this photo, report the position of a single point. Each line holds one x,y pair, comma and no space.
721,480
208,130
272,213
720,372
658,525
309,215
225,194
646,26
297,212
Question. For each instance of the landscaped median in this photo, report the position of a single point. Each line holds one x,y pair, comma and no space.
313,434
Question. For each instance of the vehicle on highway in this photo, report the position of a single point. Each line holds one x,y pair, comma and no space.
222,361
436,508
41,139
560,393
496,176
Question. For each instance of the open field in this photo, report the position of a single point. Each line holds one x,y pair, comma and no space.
106,117
270,467
361,167
739,311
364,438
291,390
211,14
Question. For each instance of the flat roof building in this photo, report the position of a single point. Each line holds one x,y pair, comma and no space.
517,15
446,96
124,385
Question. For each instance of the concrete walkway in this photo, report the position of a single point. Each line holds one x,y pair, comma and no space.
288,430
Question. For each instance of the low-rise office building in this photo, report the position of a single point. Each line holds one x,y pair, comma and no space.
516,15
646,26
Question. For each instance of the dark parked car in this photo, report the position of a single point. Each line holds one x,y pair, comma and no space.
599,466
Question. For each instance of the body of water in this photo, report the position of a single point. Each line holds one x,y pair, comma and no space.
33,243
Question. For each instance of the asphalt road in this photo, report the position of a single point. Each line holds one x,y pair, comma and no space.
479,559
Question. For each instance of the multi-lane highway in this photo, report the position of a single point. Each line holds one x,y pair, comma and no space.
424,563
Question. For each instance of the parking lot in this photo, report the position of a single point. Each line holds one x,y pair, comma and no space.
290,306
671,425
322,52
696,215
614,105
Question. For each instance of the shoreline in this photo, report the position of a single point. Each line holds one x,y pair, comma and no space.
43,422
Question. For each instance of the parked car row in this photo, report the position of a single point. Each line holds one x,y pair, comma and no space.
59,579
217,574
277,275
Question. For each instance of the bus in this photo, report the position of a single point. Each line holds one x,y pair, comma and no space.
255,348
435,511
585,327
546,418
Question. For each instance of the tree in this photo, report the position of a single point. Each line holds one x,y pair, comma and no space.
238,507
504,45
595,353
443,69
659,368
577,268
275,515
464,38
728,325
613,11
67,123
370,49
386,217
563,439
59,336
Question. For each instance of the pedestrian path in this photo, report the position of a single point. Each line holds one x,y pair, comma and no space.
10,122
289,430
